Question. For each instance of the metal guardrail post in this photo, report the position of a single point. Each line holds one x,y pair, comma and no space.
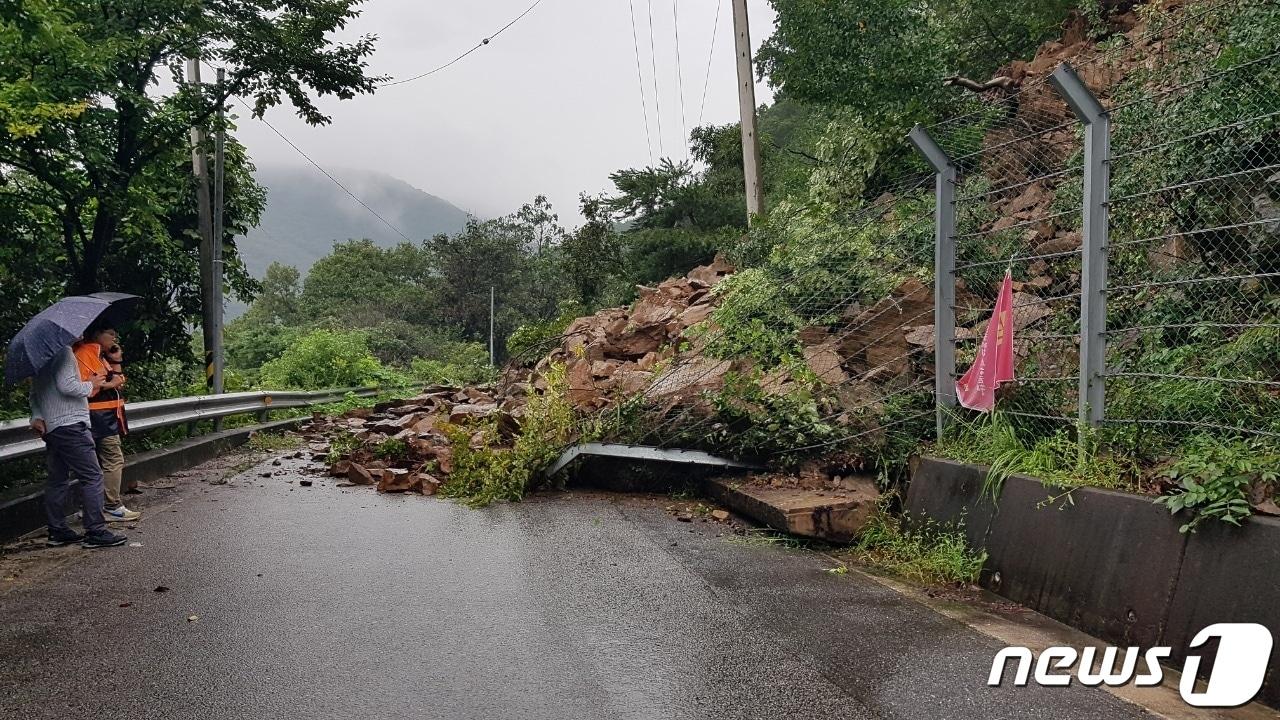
944,273
1093,275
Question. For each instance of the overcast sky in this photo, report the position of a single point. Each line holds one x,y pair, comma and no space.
551,106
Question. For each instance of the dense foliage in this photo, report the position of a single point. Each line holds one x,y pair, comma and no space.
96,190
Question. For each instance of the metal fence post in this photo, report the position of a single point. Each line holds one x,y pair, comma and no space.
944,273
1093,275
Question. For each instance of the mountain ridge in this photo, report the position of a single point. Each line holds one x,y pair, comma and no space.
307,213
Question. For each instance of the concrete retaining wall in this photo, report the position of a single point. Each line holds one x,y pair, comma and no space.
26,513
1110,563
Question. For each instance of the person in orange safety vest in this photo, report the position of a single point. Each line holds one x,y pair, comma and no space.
99,353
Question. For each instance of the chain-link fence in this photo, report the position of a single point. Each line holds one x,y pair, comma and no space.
1193,312
1132,194
1129,186
1018,169
841,316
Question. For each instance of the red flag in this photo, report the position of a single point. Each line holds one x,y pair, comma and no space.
994,364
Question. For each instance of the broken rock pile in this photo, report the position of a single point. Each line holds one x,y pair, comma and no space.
405,445
619,352
401,445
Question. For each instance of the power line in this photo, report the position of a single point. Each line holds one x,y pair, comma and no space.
706,82
316,165
644,104
432,71
684,126
657,96
458,59
335,180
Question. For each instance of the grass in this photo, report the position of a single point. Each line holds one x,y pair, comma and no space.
1058,460
928,553
272,442
766,537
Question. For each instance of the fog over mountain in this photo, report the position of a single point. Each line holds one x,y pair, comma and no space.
306,213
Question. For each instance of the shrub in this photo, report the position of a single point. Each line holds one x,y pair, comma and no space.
930,552
340,445
462,363
323,359
1215,477
391,449
756,423
534,339
486,473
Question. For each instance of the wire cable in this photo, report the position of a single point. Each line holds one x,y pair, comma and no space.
684,123
335,180
644,104
706,82
451,63
657,96
241,102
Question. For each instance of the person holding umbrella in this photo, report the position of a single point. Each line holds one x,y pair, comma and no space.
60,411
99,354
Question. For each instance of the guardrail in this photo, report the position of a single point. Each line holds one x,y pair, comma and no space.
17,440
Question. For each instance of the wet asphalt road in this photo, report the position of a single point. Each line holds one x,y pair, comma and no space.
320,603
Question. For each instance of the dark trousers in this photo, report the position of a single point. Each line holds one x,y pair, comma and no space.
69,450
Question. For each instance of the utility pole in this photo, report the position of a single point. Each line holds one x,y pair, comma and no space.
210,324
219,207
493,360
747,107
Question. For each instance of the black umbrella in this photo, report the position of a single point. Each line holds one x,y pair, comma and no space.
122,306
59,325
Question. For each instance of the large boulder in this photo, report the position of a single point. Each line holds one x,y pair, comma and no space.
710,275
395,480
876,337
359,475
582,387
468,412
695,314
631,382
688,378
826,363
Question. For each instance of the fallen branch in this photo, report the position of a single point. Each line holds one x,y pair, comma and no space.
1000,82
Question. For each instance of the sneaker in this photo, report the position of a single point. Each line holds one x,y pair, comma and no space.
104,539
121,514
60,539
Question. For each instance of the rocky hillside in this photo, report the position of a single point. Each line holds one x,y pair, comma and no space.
626,371
615,354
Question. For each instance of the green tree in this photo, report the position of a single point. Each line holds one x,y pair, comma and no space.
280,297
97,158
880,57
592,254
887,59
323,359
498,253
541,223
360,283
270,324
